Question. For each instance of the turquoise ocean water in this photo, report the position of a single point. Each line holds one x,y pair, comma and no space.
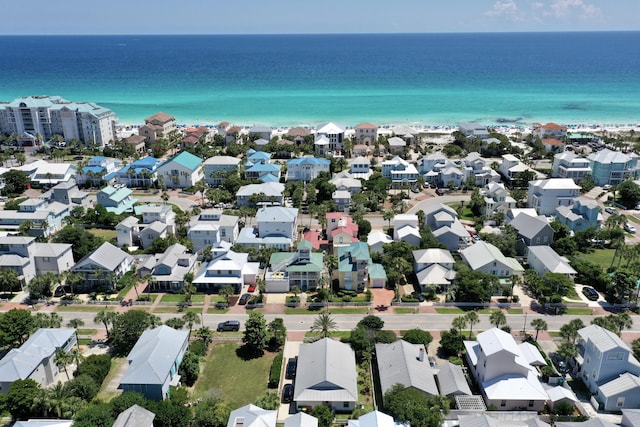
571,78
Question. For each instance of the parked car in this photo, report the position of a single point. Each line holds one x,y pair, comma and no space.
629,228
611,211
243,299
287,393
590,293
229,325
290,372
561,366
252,288
440,191
606,187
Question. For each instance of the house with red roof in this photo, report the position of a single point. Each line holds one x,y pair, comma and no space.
549,130
341,230
553,144
194,135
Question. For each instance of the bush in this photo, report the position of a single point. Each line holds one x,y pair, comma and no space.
515,298
198,348
274,373
82,386
386,337
190,368
97,366
563,408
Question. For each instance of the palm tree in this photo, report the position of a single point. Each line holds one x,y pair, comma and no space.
332,263
459,323
55,320
497,318
388,215
515,281
324,324
75,324
154,321
9,280
472,319
58,398
539,325
63,358
105,317
190,318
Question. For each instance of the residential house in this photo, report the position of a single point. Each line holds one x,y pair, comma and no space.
285,149
99,170
154,361
333,133
473,130
433,268
299,134
161,213
158,126
53,258
260,131
301,419
226,268
546,195
511,167
497,200
543,259
451,175
194,135
608,368
396,145
67,193
212,226
254,157
483,419
360,168
306,168
612,167
475,166
568,164
30,258
276,221
630,418
103,267
485,257
252,416
507,379
302,268
153,231
36,358
50,174
170,269
263,171
181,171
140,173
376,241
127,232
399,171
260,194
116,200
43,217
407,133
342,200
366,133
341,230
549,130
344,181
514,212
582,214
137,143
430,166
552,144
326,375
134,416
532,231
217,168
321,145
406,229
452,381
446,227
354,264
407,364
374,419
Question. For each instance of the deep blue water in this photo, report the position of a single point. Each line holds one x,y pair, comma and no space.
305,79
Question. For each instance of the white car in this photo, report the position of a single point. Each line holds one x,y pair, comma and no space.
629,228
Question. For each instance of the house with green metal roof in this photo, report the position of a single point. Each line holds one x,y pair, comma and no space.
116,200
182,170
302,268
353,266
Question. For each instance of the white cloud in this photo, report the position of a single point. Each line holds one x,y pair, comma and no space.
573,8
507,8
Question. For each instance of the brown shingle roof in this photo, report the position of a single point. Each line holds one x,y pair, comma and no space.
159,118
366,126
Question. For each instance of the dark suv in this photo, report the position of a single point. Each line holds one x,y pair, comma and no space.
590,293
229,325
290,372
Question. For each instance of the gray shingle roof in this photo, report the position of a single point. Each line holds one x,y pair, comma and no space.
451,380
107,256
398,363
529,226
135,416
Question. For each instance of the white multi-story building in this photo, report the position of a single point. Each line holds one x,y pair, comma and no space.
569,165
545,195
333,133
38,118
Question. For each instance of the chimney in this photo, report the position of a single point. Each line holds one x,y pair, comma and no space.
421,354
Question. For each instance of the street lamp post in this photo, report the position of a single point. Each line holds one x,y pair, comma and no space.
524,327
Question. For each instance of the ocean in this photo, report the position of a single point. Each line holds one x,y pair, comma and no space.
290,80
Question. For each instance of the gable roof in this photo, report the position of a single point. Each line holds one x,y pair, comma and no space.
399,363
482,253
433,256
276,214
496,340
451,380
222,161
530,226
301,419
602,338
154,355
186,160
326,372
106,256
252,416
135,416
551,260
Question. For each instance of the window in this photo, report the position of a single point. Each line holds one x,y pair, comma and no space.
614,356
503,403
620,402
530,403
345,404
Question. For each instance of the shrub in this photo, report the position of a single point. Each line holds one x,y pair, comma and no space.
198,348
563,408
97,366
190,368
386,337
274,373
82,386
515,298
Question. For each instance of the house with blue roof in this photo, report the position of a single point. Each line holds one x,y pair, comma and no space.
99,170
116,200
254,157
140,173
259,170
306,168
181,171
154,362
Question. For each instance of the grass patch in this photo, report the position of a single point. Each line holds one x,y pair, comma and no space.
87,331
235,380
404,310
554,334
215,298
465,213
177,298
602,257
116,365
300,310
515,311
449,310
177,309
106,234
334,334
84,341
579,311
213,310
84,308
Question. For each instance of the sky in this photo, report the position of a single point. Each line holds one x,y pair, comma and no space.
46,17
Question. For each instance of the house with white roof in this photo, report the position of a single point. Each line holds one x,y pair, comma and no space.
160,213
127,232
376,241
342,200
360,168
608,368
451,175
399,171
154,361
30,258
497,200
153,231
134,416
612,167
433,268
212,226
568,164
485,257
181,171
36,358
543,259
405,229
252,416
452,381
546,195
507,379
44,216
170,268
476,167
326,375
582,214
217,168
344,181
397,145
301,419
473,130
116,200
333,133
511,167
630,418
483,419
103,267
50,174
226,268
306,168
260,131
375,419
401,362
67,193
446,227
265,193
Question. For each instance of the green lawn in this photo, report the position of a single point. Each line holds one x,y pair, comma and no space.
84,308
449,310
236,381
116,363
466,212
177,309
334,334
404,310
515,311
579,311
123,293
176,298
601,257
87,331
106,234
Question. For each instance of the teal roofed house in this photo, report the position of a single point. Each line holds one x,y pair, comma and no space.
116,200
258,170
140,173
302,268
353,266
377,276
181,171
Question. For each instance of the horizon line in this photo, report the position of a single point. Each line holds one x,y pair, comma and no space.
322,34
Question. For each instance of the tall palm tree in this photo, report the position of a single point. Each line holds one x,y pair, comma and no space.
332,263
539,325
472,319
106,317
498,319
75,324
58,398
55,320
63,358
190,318
515,281
459,323
324,324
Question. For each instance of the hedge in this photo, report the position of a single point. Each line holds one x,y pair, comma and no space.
274,373
97,366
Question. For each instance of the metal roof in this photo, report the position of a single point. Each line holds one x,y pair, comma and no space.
399,363
451,380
